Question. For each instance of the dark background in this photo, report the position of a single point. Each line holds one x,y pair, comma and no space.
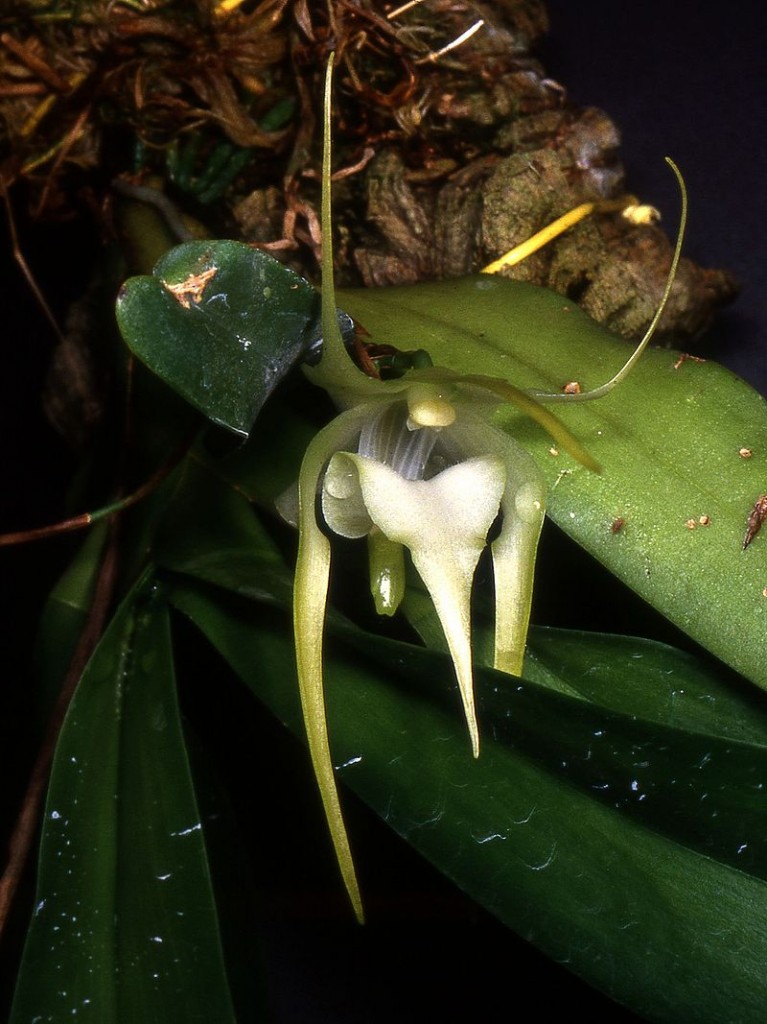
679,78
686,80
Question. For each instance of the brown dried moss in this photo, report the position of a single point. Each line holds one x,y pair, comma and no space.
448,158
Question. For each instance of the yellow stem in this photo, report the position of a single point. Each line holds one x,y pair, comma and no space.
559,226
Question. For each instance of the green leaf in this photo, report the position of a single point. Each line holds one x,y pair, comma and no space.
221,323
63,618
668,440
124,927
211,532
655,682
632,850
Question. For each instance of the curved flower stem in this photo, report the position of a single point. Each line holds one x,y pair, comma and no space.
336,371
604,389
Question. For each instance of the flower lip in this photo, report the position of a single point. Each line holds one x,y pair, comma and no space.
443,521
456,506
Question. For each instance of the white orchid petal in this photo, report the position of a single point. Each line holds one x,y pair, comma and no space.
455,507
444,523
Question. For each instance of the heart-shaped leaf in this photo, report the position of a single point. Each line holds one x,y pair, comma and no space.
221,323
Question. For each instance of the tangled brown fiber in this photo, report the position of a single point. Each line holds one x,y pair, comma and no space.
452,143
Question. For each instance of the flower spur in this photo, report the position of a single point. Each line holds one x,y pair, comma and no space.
416,463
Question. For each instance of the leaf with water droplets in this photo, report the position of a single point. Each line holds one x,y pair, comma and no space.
221,323
626,841
124,926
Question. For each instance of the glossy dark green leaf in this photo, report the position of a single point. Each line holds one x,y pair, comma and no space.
213,533
668,513
64,616
652,681
632,850
124,927
221,323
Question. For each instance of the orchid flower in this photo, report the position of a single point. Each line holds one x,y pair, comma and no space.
415,463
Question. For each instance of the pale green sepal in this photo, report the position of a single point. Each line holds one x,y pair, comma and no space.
523,505
444,523
309,602
514,564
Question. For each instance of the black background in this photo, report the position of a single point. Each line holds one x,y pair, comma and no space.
687,80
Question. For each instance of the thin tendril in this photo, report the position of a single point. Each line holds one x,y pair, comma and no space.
604,389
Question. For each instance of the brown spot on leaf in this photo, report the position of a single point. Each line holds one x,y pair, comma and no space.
189,291
756,517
